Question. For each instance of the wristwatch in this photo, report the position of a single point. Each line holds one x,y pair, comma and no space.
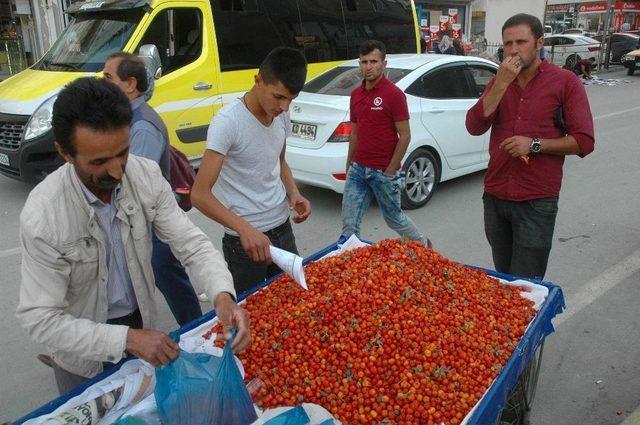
536,146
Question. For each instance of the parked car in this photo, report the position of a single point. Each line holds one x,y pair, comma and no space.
578,31
621,44
566,50
439,89
548,30
631,61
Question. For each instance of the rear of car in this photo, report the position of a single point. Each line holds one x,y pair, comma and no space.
320,126
567,50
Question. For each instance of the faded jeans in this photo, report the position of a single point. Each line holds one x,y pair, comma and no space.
362,185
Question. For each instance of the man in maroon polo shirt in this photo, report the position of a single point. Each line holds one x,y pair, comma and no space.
379,139
538,114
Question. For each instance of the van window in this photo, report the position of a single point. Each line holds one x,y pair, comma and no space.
325,30
384,20
89,39
323,36
245,37
177,33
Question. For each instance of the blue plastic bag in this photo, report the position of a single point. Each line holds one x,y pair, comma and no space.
199,389
295,416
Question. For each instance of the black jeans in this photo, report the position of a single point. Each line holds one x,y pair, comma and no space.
520,234
172,280
248,273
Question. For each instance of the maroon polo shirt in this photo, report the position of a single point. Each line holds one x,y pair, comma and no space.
375,112
530,112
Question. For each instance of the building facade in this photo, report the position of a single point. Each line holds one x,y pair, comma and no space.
591,15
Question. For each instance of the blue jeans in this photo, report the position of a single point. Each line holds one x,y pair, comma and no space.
173,282
362,185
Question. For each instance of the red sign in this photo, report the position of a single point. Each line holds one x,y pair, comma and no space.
600,7
444,23
619,19
558,8
627,6
456,30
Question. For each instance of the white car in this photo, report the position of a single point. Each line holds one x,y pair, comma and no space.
567,49
440,89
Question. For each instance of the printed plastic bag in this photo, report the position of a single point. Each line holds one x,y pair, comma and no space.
199,389
143,413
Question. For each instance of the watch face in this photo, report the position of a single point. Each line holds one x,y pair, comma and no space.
536,147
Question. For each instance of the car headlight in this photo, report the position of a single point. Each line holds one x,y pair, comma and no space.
40,121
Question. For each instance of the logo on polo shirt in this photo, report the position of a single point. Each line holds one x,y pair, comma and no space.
377,102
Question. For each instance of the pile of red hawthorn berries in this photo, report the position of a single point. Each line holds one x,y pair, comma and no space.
393,333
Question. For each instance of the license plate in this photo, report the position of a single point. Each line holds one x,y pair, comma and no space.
304,131
4,159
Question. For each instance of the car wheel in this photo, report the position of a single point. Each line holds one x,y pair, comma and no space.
631,70
422,171
572,60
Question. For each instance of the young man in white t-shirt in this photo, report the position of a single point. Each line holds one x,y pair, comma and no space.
245,160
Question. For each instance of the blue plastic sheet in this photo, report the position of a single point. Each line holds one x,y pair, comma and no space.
295,416
200,389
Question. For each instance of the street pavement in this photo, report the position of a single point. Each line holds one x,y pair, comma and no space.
591,364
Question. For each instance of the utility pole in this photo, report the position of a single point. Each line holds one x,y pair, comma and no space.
603,42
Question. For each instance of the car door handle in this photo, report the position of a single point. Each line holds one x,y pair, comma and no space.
436,111
202,86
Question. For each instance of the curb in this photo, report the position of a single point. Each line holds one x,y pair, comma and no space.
633,418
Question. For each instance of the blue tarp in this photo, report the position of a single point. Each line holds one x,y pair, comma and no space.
490,405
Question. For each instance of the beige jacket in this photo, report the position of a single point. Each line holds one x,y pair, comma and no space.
63,296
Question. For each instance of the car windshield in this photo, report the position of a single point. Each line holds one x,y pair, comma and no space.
341,81
89,39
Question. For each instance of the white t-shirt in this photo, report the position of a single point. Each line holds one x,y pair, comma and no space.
249,183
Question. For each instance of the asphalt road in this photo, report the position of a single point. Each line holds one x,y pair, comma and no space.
591,364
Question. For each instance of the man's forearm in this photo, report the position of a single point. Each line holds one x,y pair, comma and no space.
566,145
398,154
491,100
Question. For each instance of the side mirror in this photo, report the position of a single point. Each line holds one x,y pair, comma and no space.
151,58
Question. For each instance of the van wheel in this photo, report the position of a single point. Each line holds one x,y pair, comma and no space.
572,60
422,177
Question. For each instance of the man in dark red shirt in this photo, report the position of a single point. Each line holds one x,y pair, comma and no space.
538,114
379,139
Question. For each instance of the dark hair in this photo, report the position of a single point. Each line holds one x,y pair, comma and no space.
525,19
593,59
286,65
88,102
371,45
131,66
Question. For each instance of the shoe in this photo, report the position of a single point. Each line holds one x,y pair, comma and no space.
47,360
